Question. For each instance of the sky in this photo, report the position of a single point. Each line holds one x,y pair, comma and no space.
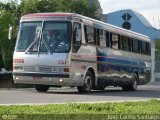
150,9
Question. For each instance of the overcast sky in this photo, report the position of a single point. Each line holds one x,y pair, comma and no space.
149,8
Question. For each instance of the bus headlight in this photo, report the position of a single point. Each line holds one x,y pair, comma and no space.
16,78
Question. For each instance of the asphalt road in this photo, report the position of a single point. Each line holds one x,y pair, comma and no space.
69,95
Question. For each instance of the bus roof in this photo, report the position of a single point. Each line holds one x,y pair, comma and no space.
41,15
48,14
87,20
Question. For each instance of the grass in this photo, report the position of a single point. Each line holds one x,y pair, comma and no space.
77,111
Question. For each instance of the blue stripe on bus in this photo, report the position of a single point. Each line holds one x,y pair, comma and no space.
107,63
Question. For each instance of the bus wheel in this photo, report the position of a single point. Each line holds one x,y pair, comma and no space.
88,83
41,88
133,85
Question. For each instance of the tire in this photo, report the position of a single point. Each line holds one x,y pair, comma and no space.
88,83
133,85
42,88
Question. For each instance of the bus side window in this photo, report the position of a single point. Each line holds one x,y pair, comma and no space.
125,43
107,36
100,38
144,47
110,40
139,46
77,36
115,41
148,49
90,35
135,46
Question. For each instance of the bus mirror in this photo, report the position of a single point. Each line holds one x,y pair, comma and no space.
10,33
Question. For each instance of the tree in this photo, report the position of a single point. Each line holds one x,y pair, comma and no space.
74,6
7,16
157,49
6,46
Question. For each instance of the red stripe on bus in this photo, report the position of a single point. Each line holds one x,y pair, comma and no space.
47,15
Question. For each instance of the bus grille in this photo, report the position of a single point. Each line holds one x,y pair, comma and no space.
45,69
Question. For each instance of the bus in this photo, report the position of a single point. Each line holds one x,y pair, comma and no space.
68,49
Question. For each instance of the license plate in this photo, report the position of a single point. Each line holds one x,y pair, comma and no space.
37,78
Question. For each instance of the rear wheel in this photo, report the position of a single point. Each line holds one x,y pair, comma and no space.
42,88
88,83
133,85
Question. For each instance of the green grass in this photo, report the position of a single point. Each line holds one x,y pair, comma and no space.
80,111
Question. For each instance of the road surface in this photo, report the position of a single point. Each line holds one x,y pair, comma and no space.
69,95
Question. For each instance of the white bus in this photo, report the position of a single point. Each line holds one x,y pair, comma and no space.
67,49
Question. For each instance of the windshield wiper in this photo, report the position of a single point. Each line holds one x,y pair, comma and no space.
38,39
44,42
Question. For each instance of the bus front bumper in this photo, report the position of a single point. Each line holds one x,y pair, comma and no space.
47,79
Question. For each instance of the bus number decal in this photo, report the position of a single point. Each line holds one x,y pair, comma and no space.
18,60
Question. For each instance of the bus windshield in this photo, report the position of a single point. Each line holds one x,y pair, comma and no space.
44,37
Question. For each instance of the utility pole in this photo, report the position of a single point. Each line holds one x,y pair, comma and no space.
154,22
159,22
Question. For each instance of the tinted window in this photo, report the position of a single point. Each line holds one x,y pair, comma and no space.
149,48
143,47
135,45
101,39
51,37
89,35
125,43
115,41
107,38
28,33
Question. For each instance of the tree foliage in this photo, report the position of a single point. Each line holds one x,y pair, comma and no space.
12,10
157,49
7,17
74,6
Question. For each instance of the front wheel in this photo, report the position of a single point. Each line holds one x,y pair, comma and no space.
42,88
88,83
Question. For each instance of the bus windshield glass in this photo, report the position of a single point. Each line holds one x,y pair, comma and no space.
44,37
